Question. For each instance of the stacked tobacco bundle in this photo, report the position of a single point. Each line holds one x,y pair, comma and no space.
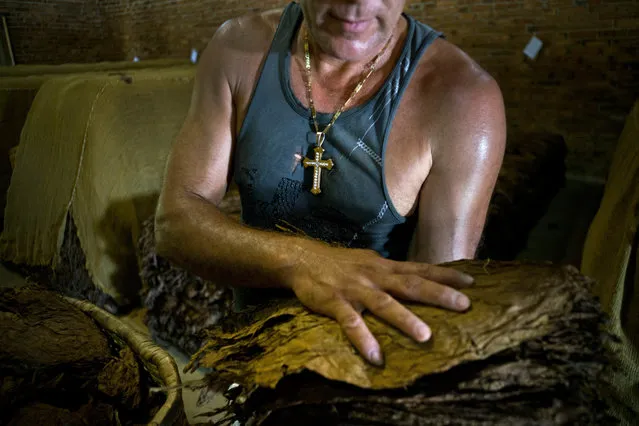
70,276
529,352
72,279
531,175
180,303
58,367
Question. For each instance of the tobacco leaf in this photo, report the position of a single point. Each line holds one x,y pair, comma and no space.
511,303
38,329
120,379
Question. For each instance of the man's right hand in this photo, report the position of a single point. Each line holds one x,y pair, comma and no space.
341,283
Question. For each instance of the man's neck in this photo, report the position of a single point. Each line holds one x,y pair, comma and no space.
334,72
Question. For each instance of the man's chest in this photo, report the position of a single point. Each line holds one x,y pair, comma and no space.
407,151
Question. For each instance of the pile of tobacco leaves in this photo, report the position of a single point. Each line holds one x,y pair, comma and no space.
529,352
58,367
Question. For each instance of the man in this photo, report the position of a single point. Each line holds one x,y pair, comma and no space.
413,162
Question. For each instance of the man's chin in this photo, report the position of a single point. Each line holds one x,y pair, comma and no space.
347,48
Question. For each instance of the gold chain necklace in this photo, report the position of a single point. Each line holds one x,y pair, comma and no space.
318,163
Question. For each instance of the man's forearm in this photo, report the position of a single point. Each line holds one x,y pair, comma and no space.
199,237
336,282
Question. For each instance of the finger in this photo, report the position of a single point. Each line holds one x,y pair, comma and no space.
394,313
415,288
357,332
440,274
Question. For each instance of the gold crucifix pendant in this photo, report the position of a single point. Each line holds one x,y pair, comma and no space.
318,164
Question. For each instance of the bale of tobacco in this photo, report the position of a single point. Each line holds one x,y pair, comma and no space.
528,352
180,304
57,366
70,276
532,173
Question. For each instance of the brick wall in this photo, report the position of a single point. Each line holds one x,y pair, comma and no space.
160,28
582,85
53,31
584,81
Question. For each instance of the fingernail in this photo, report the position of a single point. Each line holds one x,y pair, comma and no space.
462,302
469,279
423,333
375,356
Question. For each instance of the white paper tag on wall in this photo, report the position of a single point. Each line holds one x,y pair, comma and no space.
533,47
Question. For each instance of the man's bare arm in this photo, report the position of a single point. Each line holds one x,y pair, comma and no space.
190,230
467,157
337,282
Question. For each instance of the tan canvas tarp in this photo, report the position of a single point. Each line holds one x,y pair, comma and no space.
94,146
16,96
19,86
611,256
26,70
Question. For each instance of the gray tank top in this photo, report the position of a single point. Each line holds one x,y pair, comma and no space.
353,208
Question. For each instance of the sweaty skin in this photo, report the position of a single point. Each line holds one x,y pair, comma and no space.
443,156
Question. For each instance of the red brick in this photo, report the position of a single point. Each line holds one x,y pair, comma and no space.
627,23
623,10
483,8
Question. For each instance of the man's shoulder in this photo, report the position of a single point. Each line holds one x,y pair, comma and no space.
455,73
248,33
468,98
238,47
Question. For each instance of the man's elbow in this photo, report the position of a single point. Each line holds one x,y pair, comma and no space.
166,232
